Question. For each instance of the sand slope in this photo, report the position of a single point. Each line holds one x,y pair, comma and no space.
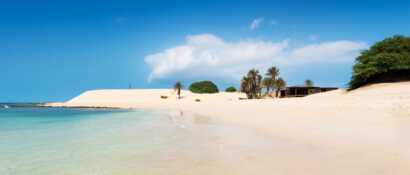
144,98
366,131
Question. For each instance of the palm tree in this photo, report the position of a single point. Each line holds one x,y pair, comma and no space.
246,86
178,87
273,73
308,83
251,84
280,84
267,83
255,80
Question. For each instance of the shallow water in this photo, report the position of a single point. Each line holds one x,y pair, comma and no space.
54,141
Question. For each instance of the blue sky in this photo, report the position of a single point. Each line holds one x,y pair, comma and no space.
54,50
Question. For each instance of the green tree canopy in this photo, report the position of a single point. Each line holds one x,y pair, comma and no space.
280,83
230,89
308,83
203,87
385,61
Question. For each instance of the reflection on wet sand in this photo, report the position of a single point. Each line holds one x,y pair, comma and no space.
182,119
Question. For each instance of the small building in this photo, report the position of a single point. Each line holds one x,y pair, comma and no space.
301,91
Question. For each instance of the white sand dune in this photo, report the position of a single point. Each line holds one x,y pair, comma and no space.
145,98
366,131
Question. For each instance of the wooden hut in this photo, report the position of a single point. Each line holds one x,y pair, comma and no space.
301,91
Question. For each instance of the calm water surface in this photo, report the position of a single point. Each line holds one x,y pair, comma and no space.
54,141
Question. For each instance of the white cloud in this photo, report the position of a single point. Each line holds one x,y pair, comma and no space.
255,23
208,56
328,52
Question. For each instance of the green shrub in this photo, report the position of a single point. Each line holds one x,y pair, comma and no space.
385,61
230,89
203,87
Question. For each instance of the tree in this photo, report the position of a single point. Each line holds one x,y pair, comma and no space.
246,86
268,83
230,89
177,87
308,83
385,61
256,80
280,84
273,74
251,84
202,87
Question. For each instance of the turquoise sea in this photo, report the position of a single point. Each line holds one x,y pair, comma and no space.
54,141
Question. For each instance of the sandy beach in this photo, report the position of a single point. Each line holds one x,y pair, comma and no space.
364,131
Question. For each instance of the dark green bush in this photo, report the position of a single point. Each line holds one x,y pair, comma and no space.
385,61
230,89
203,87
